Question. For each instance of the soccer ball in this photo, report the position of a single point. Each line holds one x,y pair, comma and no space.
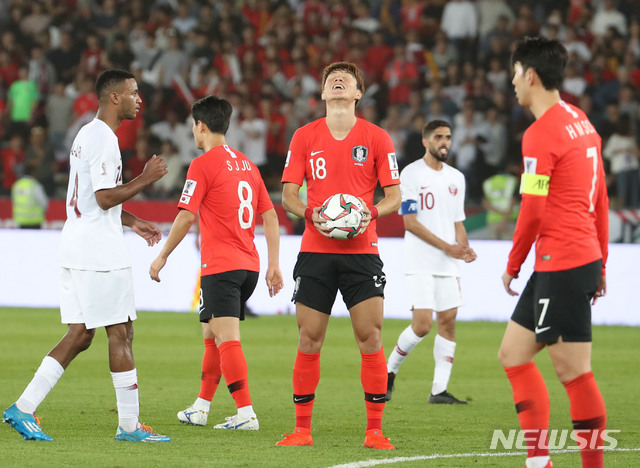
343,215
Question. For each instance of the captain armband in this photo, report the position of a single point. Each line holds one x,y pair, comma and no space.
409,207
534,184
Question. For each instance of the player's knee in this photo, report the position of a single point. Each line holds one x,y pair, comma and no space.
310,343
503,357
421,329
83,340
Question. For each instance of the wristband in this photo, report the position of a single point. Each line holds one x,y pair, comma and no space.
374,212
308,215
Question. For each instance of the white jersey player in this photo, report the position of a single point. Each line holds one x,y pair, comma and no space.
435,239
96,285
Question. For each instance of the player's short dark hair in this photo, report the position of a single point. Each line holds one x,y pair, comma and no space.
109,80
547,57
346,67
432,125
214,112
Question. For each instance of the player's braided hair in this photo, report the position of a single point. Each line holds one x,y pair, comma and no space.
109,80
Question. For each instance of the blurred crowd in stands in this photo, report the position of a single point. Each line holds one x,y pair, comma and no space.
422,59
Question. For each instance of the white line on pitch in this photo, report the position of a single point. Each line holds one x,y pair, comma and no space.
438,456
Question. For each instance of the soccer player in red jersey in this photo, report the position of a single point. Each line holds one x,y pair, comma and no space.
565,211
225,188
340,154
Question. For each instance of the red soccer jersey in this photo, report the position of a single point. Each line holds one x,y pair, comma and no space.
228,191
565,207
353,165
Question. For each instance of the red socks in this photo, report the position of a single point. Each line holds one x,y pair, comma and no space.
589,417
532,405
234,370
306,375
373,375
210,370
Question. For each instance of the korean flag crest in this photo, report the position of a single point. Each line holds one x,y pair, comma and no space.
359,153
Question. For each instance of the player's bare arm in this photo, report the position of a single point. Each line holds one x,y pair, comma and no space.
154,170
389,204
148,231
462,239
179,229
292,203
272,235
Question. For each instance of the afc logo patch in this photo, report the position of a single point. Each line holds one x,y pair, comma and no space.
530,165
453,190
189,187
359,153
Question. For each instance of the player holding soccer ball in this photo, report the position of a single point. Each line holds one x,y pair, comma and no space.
565,211
340,154
435,238
225,188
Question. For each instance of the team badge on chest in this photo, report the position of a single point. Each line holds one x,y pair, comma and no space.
453,190
359,153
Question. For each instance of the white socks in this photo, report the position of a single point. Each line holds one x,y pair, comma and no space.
443,351
247,412
202,405
406,342
43,381
126,386
537,462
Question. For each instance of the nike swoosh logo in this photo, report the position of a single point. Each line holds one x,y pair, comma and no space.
298,399
540,330
377,285
313,153
378,398
422,188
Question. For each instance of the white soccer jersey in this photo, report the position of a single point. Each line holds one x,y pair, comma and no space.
92,237
439,201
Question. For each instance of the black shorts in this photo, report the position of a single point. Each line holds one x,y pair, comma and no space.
558,303
319,276
225,294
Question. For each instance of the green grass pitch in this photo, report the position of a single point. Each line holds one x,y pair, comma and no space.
80,413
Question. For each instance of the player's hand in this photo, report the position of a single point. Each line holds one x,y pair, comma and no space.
157,265
148,231
506,280
470,256
319,223
154,169
458,251
601,291
274,280
366,217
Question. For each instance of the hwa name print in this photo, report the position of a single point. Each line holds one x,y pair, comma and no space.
579,129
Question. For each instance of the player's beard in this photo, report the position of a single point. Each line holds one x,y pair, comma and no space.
436,153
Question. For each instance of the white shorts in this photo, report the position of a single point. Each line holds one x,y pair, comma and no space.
96,298
437,293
